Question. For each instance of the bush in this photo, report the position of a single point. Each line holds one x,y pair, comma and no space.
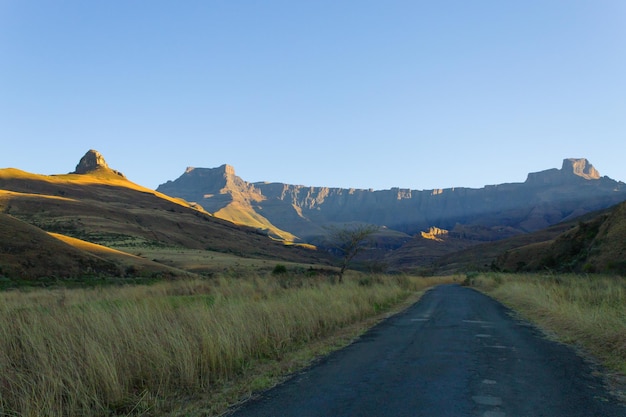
279,269
470,277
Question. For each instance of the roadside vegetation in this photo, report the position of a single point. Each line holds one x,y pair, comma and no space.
585,310
187,347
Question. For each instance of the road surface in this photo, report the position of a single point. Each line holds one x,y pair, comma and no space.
455,353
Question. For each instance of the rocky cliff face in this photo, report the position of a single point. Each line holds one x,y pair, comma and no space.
580,167
221,192
570,173
545,198
213,188
93,161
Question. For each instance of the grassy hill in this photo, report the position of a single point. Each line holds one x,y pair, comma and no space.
28,253
594,242
482,256
49,222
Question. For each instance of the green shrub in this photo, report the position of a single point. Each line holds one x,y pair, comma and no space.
279,269
470,277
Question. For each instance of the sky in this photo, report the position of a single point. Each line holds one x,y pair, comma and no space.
353,94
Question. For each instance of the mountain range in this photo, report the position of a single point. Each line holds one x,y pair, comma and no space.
94,221
545,198
429,222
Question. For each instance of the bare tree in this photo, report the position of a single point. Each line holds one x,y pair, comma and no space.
349,240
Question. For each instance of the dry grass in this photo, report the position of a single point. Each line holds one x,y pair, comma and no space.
206,262
98,177
147,350
589,311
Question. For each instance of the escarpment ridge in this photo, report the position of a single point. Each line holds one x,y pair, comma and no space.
545,198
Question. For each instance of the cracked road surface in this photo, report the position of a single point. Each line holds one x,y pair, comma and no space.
454,353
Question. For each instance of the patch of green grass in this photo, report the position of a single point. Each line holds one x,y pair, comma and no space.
85,281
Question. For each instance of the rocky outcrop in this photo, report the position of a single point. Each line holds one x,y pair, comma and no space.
434,233
93,161
572,171
580,167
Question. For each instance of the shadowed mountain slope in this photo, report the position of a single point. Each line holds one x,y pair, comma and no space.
30,253
545,198
593,244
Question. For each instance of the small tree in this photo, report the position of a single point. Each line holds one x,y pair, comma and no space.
349,240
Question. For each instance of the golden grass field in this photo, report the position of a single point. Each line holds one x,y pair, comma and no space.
209,263
187,347
585,310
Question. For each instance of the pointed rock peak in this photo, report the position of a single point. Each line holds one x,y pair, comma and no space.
92,161
226,170
580,167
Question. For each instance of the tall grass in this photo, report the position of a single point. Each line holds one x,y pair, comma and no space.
588,310
132,350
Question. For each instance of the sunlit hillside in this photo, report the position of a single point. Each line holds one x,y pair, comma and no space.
99,176
102,207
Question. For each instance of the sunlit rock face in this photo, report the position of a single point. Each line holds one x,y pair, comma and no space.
92,161
573,170
580,167
434,233
212,188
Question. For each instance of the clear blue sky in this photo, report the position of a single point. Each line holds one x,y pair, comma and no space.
364,94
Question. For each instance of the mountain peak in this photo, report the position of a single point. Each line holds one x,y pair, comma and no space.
92,161
226,170
580,167
573,169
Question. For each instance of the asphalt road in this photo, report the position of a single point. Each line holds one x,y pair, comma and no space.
454,353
